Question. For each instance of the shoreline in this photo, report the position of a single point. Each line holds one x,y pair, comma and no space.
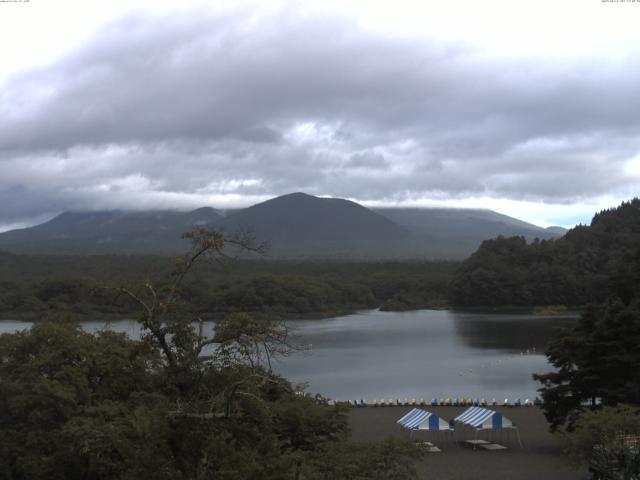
541,455
535,310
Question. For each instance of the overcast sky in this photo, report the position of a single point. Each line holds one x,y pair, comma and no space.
528,108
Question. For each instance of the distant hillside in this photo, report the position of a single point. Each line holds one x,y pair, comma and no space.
558,231
586,265
296,226
456,233
300,224
109,232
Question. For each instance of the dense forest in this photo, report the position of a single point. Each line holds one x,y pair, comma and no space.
591,397
586,265
595,362
174,404
31,287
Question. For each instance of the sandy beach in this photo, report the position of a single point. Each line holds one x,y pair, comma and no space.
539,458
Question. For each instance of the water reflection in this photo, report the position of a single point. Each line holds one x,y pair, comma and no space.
513,333
420,354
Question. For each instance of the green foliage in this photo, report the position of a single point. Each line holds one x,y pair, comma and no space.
585,266
609,439
62,388
175,405
76,405
288,289
595,362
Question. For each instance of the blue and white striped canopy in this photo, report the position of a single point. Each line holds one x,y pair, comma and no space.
418,419
483,418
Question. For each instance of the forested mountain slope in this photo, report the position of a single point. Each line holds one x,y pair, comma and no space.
457,232
297,226
113,231
586,265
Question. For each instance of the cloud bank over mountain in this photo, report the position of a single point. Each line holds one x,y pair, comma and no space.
227,109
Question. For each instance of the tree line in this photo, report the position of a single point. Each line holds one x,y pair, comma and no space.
592,397
587,265
32,287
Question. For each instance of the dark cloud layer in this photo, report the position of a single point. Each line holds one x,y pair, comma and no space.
180,110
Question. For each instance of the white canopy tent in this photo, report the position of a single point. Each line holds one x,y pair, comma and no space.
418,420
481,419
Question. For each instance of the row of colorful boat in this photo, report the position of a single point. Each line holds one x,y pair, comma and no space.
449,402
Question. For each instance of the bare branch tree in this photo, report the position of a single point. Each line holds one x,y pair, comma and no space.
240,341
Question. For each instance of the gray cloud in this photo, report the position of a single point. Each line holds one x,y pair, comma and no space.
180,110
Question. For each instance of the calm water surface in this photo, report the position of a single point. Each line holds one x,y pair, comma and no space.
419,354
423,354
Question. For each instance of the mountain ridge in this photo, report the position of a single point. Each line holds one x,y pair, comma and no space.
296,225
298,222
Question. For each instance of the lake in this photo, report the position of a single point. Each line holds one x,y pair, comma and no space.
420,354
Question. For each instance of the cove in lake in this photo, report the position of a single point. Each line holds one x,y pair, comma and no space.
419,354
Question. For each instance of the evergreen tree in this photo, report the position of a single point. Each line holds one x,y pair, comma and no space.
596,363
587,265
